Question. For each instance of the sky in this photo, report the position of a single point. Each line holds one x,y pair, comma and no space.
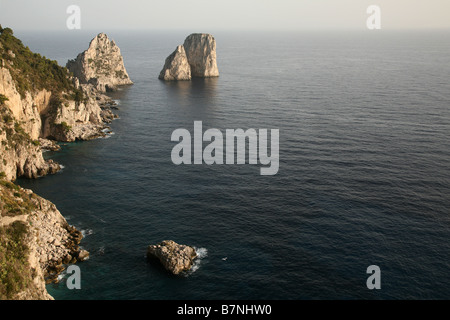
265,15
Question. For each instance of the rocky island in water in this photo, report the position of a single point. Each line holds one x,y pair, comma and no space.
175,257
42,103
195,58
101,65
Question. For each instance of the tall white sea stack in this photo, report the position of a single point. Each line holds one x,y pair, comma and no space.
195,58
100,65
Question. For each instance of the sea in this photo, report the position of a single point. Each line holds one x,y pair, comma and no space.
363,179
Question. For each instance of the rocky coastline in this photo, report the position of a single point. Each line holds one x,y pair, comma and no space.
42,103
36,111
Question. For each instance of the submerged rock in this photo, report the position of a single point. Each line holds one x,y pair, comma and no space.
195,58
100,65
83,255
176,66
173,256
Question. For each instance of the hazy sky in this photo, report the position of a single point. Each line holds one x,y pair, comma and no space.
224,14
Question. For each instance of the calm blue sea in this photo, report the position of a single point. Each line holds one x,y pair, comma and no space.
364,178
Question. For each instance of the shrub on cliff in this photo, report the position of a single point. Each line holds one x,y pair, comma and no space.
14,201
15,272
14,134
3,99
31,71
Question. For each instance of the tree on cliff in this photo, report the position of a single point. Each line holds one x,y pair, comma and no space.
3,99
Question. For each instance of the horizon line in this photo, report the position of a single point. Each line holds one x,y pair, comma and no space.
343,29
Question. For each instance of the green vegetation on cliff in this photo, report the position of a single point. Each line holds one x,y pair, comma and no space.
3,99
15,134
15,271
13,200
31,71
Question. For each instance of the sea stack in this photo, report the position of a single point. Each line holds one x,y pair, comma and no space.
173,256
176,66
195,58
100,65
201,54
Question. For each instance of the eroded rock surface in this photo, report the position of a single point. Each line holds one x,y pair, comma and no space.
201,53
195,58
175,257
100,65
176,67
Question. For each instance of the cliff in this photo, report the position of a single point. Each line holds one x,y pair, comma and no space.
101,65
38,100
195,58
35,242
19,154
45,99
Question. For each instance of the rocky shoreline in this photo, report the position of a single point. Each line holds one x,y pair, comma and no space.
54,242
32,121
50,243
73,107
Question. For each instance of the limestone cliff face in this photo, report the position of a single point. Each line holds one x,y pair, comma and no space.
48,242
100,65
20,155
201,54
195,58
43,114
70,120
38,99
176,67
27,109
53,115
